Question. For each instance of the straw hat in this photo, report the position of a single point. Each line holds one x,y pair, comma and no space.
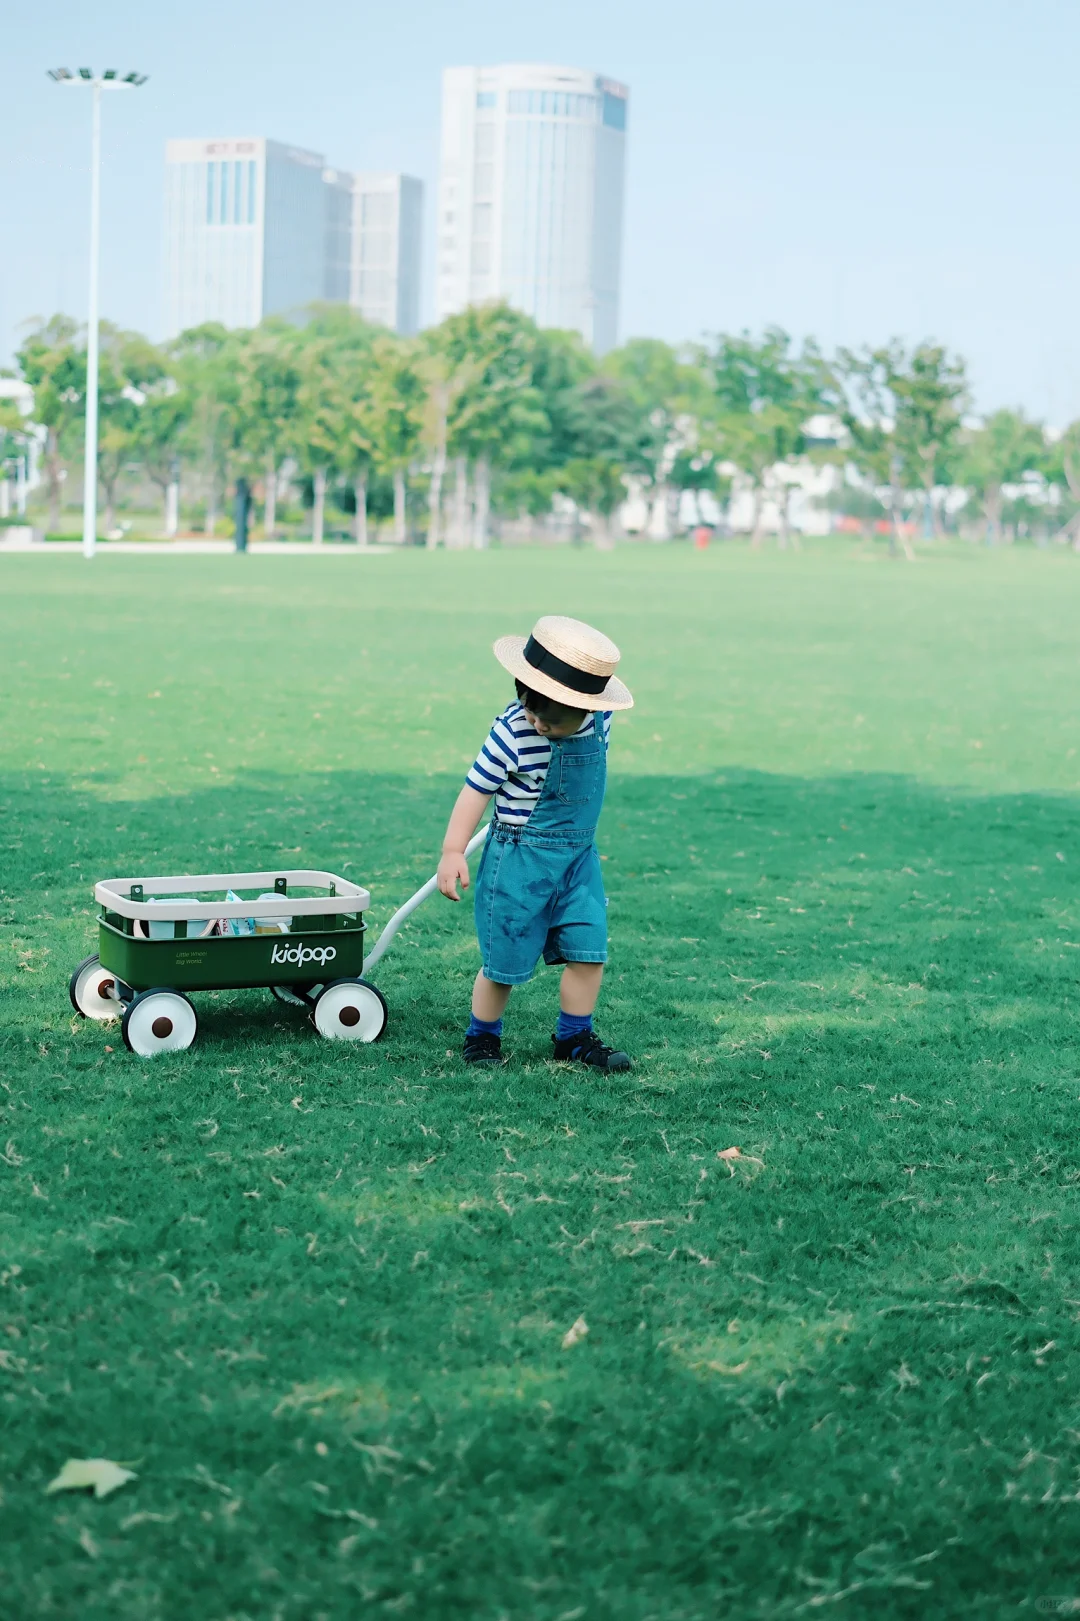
568,661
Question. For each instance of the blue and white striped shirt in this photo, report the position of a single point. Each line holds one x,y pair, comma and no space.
514,761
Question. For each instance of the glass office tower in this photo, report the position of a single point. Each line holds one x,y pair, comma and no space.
248,228
256,228
386,219
531,195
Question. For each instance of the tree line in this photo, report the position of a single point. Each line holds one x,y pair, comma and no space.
487,413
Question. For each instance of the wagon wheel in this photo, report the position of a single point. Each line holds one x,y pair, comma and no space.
159,1021
94,991
350,1010
296,995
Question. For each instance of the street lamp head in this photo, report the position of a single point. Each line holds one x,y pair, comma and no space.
109,80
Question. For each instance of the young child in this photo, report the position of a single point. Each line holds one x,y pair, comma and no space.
539,891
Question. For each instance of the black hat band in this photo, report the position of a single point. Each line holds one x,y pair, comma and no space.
569,676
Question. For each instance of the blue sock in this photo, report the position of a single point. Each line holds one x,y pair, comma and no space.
572,1024
479,1027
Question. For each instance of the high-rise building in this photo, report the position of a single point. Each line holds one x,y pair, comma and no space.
531,195
246,228
384,284
338,249
255,228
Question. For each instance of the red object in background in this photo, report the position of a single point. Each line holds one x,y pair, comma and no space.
702,537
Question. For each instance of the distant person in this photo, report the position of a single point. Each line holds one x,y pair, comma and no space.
539,891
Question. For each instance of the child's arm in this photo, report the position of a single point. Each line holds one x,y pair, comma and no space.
464,821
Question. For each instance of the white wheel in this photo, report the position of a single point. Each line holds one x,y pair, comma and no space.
159,1022
350,1010
93,991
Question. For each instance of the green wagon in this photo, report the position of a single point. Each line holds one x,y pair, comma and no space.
296,931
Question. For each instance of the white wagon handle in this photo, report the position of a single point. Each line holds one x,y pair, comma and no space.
392,927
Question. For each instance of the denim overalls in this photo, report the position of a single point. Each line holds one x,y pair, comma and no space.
538,888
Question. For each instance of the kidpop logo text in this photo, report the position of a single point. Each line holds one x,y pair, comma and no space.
302,954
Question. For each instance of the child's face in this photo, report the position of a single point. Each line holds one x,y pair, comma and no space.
547,728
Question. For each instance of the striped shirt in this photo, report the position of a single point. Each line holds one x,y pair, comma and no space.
514,761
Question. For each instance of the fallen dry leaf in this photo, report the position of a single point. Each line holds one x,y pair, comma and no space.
577,1331
733,1154
78,1474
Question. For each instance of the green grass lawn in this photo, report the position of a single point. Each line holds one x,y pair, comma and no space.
316,1294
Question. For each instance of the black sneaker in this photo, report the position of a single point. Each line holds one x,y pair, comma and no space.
483,1048
587,1048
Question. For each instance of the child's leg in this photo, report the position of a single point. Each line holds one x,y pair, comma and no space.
574,1037
489,999
578,991
580,987
482,1038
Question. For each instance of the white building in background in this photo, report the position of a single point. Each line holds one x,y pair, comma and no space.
245,231
531,195
384,280
255,228
796,495
338,242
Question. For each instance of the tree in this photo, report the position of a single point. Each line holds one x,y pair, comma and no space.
1062,468
13,448
904,413
451,401
499,417
354,446
930,390
12,429
527,482
396,400
669,398
159,433
699,472
337,357
562,368
317,424
869,415
595,485
13,436
268,381
1005,447
129,367
763,393
601,431
202,360
53,364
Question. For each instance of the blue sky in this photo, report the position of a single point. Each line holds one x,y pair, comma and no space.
847,168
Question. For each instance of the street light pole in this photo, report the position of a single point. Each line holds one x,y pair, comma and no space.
90,452
97,82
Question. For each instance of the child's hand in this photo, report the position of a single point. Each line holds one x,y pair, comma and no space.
452,867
